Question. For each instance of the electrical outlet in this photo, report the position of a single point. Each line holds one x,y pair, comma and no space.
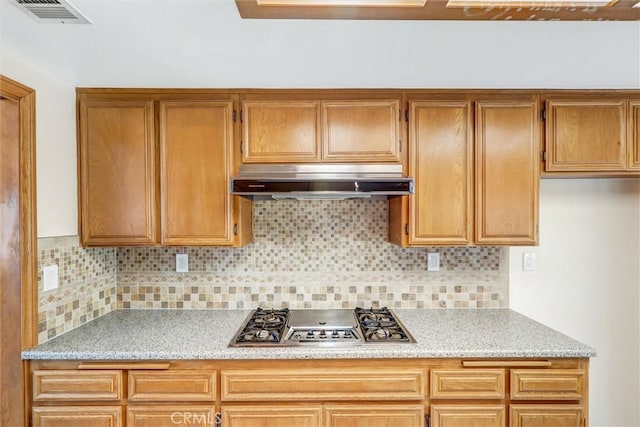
433,261
50,277
182,263
529,261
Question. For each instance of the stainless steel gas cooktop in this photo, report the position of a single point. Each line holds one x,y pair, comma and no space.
341,327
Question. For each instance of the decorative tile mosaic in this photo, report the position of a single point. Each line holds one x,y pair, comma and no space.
314,254
86,285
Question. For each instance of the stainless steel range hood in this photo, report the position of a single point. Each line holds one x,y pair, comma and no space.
321,181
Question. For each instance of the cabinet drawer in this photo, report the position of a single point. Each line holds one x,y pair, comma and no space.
468,416
321,384
541,384
467,384
172,386
71,385
78,416
171,416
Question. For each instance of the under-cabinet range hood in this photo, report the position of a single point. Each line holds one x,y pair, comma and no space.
321,181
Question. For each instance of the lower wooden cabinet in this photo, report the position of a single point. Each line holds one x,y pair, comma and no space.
77,416
311,393
546,416
468,416
278,415
171,416
373,415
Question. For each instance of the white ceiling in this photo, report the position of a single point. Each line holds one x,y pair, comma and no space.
204,43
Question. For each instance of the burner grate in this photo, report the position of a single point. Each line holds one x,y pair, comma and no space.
264,326
381,325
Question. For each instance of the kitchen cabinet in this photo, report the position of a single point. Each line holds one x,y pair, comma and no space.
154,169
278,128
591,134
117,174
317,393
546,416
462,198
468,416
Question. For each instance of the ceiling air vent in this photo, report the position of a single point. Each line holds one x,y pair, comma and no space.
51,11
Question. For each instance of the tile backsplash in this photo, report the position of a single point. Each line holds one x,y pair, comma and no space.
305,254
87,285
314,254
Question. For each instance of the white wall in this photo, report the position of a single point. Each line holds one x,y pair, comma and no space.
55,144
587,284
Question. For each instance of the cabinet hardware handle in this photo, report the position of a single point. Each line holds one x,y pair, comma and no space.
105,365
506,363
235,229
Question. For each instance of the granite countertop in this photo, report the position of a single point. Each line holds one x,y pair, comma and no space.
205,334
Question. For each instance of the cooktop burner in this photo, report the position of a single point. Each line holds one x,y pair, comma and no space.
332,327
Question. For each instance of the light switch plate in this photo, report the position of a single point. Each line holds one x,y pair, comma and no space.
433,261
182,263
529,261
50,277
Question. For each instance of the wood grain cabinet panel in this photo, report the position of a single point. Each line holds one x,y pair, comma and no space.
546,416
586,135
441,162
116,172
77,416
177,385
361,131
369,415
323,384
467,384
196,140
272,415
508,172
71,385
545,384
171,416
468,416
280,131
633,154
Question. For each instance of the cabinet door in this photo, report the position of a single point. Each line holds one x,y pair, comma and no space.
280,131
441,147
468,416
77,416
546,416
196,143
361,131
373,415
633,155
507,172
171,416
585,135
117,172
271,416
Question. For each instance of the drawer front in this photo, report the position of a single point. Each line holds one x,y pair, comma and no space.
271,415
171,416
546,415
541,384
467,383
78,416
172,386
323,384
468,416
71,385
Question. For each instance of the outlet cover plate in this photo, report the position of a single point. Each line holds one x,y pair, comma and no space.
433,261
50,277
182,263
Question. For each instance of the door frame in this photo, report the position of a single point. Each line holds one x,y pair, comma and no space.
26,98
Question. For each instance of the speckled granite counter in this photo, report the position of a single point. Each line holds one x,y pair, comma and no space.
205,334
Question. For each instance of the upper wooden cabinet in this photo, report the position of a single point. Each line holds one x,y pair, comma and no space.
507,172
138,188
476,171
117,174
283,130
196,140
592,135
441,163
